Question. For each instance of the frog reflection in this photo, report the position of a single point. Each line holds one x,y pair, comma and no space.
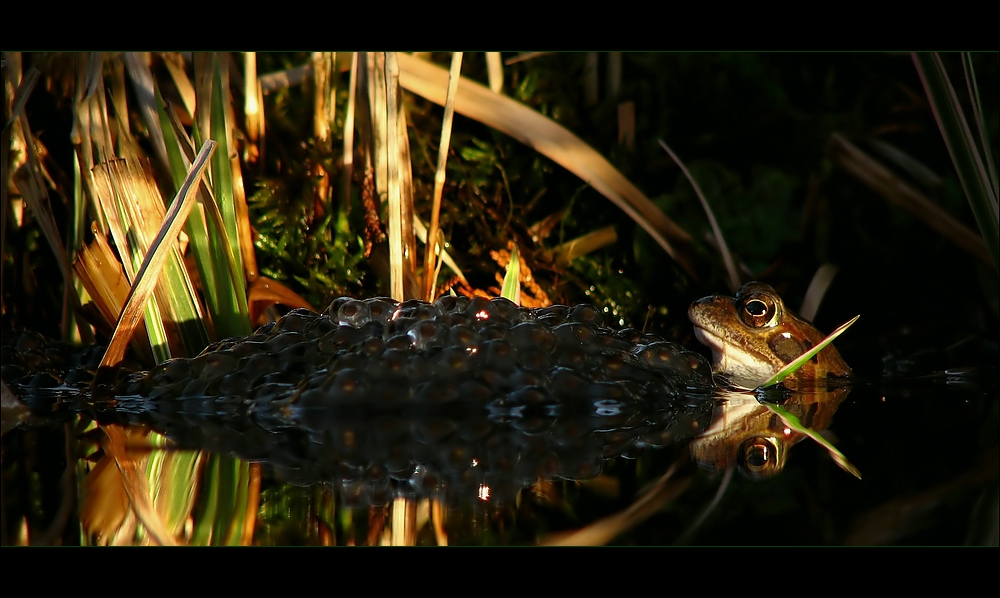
752,336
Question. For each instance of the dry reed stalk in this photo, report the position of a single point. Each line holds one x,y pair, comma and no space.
432,244
251,105
349,129
494,71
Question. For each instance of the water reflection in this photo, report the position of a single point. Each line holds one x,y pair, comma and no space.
460,453
746,434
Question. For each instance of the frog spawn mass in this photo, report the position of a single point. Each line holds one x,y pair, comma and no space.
378,355
459,393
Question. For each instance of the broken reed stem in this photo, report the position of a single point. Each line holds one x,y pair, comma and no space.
145,280
431,247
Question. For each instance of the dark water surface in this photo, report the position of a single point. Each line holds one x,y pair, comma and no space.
926,446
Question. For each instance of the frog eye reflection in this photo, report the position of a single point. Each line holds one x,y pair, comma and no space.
758,311
759,457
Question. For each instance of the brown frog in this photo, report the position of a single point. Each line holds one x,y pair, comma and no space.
752,336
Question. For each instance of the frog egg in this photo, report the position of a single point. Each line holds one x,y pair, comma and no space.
420,367
436,392
535,360
427,335
353,313
493,329
463,337
586,314
567,383
525,314
552,316
348,387
248,348
171,371
533,396
399,325
208,365
506,309
295,320
699,369
372,346
528,335
332,309
391,391
346,361
399,341
523,378
341,338
320,327
380,309
661,355
617,368
449,304
577,337
609,393
392,362
499,356
455,361
473,392
481,309
280,340
300,359
570,358
459,318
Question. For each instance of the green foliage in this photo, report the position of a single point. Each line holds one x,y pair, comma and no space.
296,240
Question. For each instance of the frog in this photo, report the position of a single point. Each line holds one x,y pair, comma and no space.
752,336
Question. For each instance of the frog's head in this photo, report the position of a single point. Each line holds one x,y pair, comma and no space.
753,335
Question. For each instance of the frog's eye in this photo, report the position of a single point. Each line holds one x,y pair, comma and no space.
759,457
759,310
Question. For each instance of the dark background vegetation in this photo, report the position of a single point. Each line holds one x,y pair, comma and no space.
754,129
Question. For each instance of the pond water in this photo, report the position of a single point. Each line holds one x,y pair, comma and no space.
925,445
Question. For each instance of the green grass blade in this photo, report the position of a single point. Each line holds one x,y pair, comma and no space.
219,520
512,279
233,318
793,367
969,163
793,422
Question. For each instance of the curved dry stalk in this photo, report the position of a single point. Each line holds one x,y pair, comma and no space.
431,249
727,257
604,530
818,286
723,486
